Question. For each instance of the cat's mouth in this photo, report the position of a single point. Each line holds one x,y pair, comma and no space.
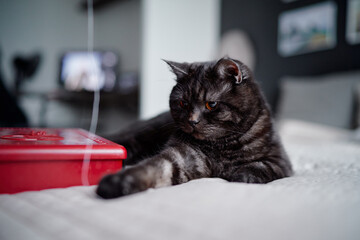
198,135
194,132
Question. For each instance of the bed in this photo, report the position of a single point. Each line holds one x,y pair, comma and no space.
321,201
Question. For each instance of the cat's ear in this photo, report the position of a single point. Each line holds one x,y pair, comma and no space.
227,67
180,69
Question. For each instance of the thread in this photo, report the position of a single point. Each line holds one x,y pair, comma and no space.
96,100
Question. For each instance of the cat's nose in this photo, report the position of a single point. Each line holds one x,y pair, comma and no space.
194,117
193,122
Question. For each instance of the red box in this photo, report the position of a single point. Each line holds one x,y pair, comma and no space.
41,158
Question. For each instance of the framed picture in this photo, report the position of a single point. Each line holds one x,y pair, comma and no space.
307,29
353,22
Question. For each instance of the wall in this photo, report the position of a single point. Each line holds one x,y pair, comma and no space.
259,19
183,31
54,26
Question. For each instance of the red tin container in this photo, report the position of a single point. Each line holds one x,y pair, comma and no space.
41,158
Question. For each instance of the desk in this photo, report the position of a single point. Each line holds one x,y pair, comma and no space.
111,103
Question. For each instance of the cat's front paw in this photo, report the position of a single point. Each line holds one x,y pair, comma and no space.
248,178
110,187
118,184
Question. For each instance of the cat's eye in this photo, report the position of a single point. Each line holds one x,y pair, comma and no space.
183,104
211,105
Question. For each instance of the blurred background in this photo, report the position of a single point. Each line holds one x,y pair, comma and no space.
305,54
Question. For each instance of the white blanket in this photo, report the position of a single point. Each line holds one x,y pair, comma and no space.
321,201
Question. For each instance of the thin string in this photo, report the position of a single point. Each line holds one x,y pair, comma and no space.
96,101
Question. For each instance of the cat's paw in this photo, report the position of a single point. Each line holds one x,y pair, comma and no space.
117,185
248,178
110,187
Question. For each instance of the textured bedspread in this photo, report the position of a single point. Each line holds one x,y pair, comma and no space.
321,201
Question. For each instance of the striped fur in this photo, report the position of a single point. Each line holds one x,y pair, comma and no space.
235,140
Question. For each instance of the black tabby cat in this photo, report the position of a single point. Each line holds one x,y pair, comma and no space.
220,126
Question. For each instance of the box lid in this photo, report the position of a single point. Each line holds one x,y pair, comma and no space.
22,144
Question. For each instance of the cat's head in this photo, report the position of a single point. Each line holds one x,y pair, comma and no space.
212,100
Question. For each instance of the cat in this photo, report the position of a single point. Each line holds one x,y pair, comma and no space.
219,125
